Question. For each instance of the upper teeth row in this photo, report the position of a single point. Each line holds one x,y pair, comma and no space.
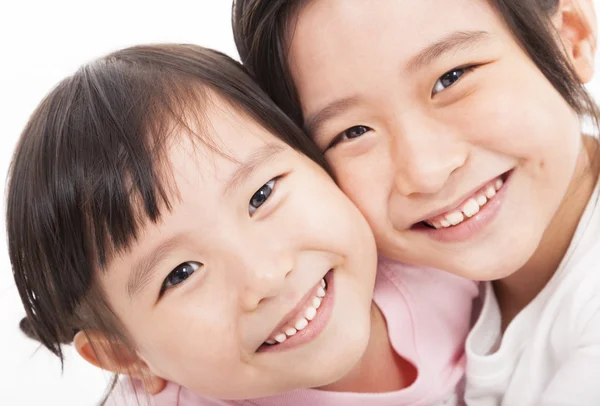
309,313
469,208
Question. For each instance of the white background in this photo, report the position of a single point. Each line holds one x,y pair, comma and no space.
40,43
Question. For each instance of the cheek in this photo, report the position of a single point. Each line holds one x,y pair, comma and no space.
337,225
205,361
530,122
189,338
366,180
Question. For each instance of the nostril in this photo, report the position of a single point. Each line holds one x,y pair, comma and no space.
261,301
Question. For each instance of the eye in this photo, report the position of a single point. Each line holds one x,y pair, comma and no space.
179,274
354,132
349,134
261,196
449,78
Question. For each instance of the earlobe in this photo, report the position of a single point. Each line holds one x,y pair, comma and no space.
575,22
154,384
98,350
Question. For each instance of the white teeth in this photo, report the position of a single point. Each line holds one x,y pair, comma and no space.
301,324
310,313
455,217
316,302
481,200
470,208
498,184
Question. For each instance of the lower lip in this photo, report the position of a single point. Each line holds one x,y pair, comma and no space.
314,327
472,226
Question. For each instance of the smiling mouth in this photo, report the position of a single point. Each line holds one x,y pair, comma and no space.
468,208
300,320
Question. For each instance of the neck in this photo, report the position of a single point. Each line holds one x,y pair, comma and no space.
380,369
517,290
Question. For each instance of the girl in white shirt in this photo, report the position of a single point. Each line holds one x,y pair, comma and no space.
456,128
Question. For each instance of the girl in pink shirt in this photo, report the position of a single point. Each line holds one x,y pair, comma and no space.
169,220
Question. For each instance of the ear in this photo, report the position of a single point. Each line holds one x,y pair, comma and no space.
102,352
575,22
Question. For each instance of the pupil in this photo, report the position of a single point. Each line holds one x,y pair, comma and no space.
260,196
356,132
449,78
180,275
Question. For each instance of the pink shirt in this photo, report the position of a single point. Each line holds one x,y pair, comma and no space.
428,315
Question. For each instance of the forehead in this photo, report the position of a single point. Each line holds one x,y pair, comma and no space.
211,146
228,133
332,39
361,21
207,159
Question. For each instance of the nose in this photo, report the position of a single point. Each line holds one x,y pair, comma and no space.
423,157
260,277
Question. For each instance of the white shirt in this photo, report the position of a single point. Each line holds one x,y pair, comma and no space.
550,352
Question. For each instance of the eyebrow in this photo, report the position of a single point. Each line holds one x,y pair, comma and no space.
314,122
144,269
456,41
255,161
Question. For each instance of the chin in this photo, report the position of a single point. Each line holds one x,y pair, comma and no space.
489,266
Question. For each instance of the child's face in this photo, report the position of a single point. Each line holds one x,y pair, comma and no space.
242,254
430,111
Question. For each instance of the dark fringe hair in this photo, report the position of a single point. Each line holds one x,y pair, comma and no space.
89,171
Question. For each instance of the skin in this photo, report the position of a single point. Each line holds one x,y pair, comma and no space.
424,145
252,267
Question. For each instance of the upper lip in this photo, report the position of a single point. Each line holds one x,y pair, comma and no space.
457,202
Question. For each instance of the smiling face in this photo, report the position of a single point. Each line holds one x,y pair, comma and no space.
260,247
438,126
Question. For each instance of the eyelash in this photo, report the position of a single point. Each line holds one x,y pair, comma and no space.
271,184
340,137
168,285
466,70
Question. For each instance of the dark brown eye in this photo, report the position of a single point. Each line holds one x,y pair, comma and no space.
180,274
448,79
355,132
350,134
261,196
